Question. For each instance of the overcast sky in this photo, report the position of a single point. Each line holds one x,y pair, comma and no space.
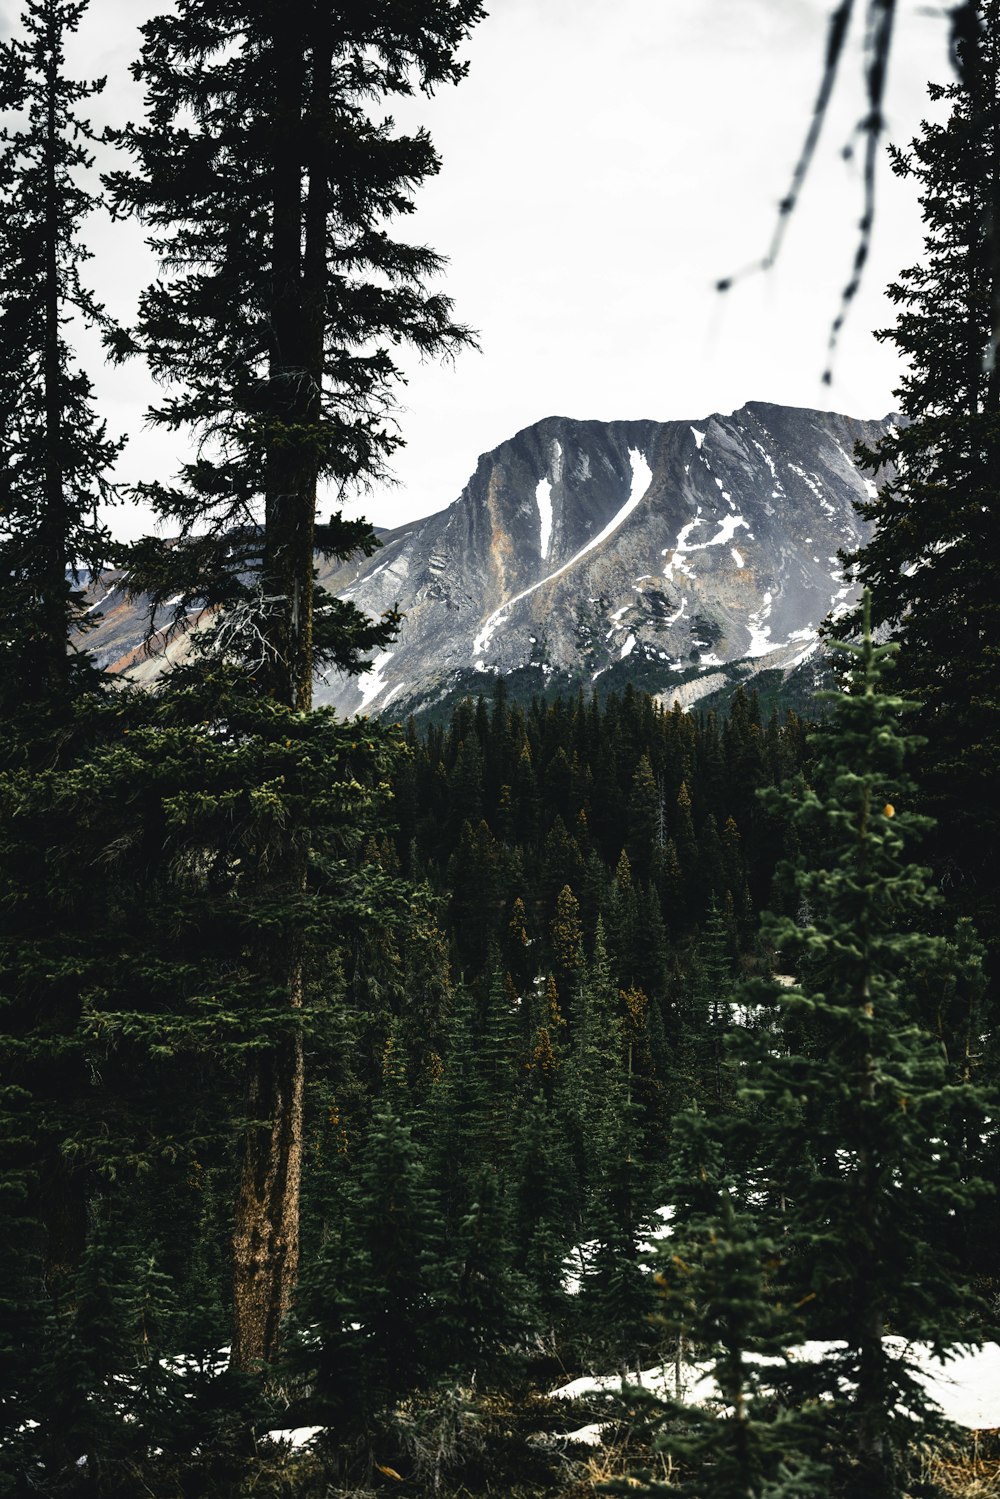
603,165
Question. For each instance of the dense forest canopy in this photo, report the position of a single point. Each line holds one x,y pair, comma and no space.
368,1081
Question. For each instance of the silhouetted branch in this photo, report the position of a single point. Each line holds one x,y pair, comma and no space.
880,16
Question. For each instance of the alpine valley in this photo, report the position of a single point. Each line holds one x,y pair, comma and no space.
681,556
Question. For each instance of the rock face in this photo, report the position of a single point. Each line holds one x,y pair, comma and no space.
577,546
659,552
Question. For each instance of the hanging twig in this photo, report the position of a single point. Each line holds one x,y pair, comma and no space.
880,18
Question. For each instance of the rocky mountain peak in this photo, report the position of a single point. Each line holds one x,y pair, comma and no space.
577,545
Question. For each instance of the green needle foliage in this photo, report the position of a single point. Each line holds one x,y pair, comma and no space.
932,562
863,1130
268,178
715,1274
54,450
837,1233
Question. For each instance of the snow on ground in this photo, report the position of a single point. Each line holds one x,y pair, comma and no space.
699,437
374,682
966,1387
543,499
628,647
94,607
581,1257
680,611
810,643
398,566
681,545
296,1436
737,557
642,476
838,603
587,1436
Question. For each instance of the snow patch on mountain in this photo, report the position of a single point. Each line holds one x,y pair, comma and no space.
543,499
642,476
683,547
760,631
374,682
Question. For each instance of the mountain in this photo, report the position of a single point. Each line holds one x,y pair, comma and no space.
677,555
660,552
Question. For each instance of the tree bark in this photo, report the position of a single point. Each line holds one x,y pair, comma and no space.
52,582
266,1238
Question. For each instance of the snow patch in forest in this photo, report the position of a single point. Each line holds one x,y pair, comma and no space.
642,476
587,1436
965,1387
295,1436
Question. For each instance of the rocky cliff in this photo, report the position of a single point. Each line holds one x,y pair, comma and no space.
658,552
674,547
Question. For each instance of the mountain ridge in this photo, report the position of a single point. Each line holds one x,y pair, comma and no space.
666,553
578,543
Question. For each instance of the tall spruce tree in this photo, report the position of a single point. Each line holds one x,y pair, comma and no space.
932,562
55,453
54,461
862,1163
267,181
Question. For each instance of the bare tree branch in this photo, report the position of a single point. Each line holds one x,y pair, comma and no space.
880,17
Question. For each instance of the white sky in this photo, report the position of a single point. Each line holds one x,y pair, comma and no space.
603,165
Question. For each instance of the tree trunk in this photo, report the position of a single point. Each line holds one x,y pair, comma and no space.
873,1450
52,623
266,1235
266,1238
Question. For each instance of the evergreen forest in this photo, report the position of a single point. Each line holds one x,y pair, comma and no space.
561,1097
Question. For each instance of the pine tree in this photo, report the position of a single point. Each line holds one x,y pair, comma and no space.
366,1310
862,1127
54,461
932,563
566,935
55,454
267,182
